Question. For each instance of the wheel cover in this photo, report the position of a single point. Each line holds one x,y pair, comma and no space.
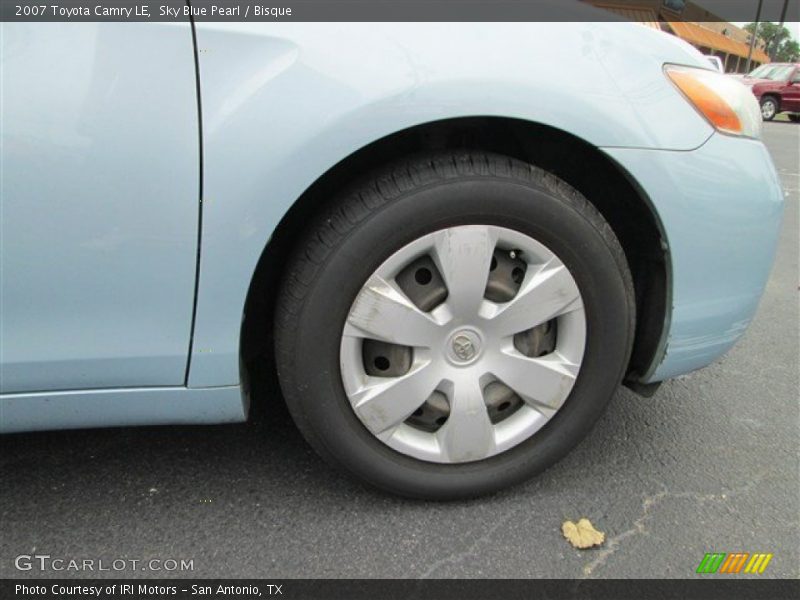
768,109
491,373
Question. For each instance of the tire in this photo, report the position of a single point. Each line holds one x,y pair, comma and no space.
794,118
383,214
769,108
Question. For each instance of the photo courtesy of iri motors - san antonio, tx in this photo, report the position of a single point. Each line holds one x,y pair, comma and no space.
129,589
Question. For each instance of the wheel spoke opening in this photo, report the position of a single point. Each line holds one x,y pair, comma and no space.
506,273
501,401
538,341
382,359
422,282
432,414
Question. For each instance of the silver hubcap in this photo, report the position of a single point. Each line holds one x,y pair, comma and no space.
768,109
463,344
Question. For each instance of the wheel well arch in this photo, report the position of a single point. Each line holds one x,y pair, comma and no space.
597,176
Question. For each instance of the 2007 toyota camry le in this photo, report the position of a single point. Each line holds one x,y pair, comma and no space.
452,242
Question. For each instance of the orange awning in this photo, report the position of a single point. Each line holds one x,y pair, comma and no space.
700,36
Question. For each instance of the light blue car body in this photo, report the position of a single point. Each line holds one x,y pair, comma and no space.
131,229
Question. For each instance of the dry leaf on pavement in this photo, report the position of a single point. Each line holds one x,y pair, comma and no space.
582,535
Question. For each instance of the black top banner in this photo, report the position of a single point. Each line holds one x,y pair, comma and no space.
395,10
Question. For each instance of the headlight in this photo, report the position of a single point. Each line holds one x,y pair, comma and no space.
724,102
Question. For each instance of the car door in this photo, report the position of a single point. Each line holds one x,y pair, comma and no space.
99,204
790,95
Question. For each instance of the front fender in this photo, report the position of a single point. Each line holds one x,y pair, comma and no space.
283,103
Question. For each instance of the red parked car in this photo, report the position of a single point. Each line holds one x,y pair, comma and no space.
777,90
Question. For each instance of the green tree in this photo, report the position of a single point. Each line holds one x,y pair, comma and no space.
779,43
788,52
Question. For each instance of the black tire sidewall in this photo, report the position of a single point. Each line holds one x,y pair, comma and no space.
563,228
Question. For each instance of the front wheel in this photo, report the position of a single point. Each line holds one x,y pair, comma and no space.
769,108
453,325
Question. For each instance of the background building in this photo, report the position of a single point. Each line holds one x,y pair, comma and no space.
690,22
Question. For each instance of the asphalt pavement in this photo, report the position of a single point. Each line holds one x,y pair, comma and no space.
709,464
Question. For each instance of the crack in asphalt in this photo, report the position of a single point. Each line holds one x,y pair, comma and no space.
648,504
471,550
